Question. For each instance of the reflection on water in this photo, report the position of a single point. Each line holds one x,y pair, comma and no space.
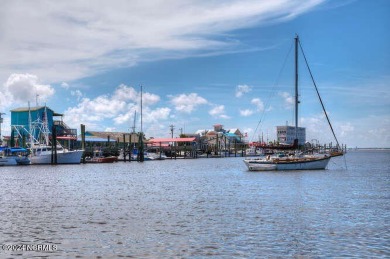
199,208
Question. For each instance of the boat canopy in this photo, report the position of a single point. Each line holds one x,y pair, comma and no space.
13,149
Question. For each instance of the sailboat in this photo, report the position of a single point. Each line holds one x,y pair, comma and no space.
296,160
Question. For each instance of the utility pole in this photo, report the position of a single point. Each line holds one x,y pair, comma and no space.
1,121
172,127
141,108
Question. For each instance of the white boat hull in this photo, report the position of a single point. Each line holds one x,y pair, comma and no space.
297,164
69,157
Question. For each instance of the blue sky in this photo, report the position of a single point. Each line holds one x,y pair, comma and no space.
201,63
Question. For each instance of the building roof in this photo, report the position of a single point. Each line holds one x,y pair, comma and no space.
162,140
35,108
232,135
105,134
288,127
95,139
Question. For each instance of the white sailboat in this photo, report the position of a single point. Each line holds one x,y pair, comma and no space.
296,160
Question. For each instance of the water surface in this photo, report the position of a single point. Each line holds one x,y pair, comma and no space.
199,208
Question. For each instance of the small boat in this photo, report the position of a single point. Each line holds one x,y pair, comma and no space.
296,160
98,157
154,156
254,151
13,156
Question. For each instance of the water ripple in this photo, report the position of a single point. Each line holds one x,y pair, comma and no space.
198,208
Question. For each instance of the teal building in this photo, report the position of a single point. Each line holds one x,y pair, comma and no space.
22,118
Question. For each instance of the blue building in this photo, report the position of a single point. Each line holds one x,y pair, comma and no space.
22,118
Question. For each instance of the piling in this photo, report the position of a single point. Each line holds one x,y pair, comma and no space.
82,126
54,145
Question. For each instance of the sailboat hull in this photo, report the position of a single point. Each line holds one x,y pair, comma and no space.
292,164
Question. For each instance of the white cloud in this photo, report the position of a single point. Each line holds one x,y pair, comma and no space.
156,115
68,40
22,88
242,89
65,85
219,112
361,133
346,129
187,103
110,129
246,112
316,128
288,99
125,93
122,118
118,107
259,104
77,93
149,99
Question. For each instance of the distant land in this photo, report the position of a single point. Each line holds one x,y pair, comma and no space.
369,148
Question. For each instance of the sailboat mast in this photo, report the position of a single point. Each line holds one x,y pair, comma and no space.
30,128
141,108
296,86
135,117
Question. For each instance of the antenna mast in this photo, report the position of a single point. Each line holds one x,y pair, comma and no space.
296,86
135,116
141,108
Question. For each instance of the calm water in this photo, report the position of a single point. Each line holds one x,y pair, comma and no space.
199,208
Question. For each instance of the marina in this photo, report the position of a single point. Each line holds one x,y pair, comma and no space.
37,138
44,139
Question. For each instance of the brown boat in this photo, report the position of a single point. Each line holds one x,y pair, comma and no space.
98,157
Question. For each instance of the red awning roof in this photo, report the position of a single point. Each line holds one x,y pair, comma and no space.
162,140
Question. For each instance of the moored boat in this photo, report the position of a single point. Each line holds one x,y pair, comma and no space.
42,142
294,160
98,157
13,156
305,162
43,154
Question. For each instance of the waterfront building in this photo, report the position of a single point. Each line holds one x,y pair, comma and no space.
104,136
219,138
236,132
24,117
286,134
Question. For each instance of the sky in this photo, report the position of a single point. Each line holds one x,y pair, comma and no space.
201,63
